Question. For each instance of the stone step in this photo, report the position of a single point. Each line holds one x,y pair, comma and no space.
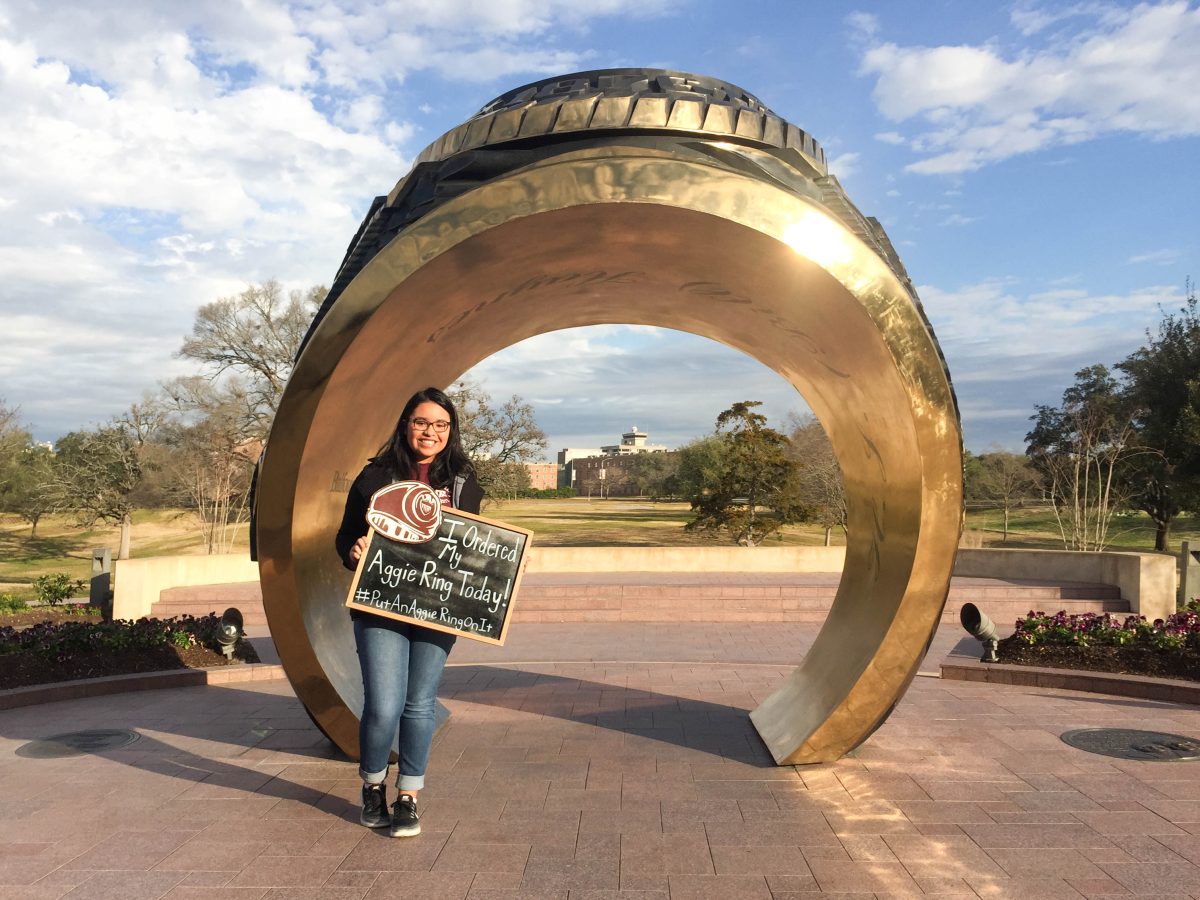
687,597
200,600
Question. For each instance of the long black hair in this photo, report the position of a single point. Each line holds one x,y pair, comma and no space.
397,454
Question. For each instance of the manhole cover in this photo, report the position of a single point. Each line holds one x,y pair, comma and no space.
1125,743
77,743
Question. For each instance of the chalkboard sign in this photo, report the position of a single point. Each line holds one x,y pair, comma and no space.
440,568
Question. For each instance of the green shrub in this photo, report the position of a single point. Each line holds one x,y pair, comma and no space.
56,588
12,603
62,641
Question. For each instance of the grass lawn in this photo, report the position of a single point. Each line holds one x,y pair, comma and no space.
1036,528
62,546
580,522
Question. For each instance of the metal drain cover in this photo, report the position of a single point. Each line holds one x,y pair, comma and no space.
77,743
1125,743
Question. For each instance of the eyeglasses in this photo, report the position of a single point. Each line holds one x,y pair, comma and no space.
424,424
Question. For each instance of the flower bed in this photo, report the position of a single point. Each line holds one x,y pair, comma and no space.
63,651
1167,648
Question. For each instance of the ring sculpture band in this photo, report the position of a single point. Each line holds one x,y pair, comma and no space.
645,197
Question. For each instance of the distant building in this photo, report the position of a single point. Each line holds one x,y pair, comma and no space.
542,476
632,441
608,471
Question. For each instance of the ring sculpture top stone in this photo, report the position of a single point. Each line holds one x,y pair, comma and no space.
647,197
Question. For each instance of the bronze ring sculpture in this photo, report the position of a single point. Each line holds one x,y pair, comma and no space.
645,197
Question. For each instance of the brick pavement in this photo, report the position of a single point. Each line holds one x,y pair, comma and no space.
605,762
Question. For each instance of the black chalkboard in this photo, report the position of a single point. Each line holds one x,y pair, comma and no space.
463,580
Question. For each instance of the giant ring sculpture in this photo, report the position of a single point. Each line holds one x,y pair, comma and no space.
649,197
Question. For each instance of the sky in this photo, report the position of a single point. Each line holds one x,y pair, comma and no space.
1034,163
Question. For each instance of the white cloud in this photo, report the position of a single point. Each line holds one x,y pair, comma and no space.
1130,70
844,165
957,220
894,138
1164,257
863,25
1008,350
607,377
160,155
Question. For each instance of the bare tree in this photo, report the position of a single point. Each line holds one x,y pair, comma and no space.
1080,448
820,477
507,434
13,435
211,459
1007,480
24,470
250,341
94,475
503,480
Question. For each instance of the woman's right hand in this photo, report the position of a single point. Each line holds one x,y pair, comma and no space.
359,548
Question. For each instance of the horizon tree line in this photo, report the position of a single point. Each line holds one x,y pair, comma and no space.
1120,440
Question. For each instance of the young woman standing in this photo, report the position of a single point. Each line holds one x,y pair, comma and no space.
402,663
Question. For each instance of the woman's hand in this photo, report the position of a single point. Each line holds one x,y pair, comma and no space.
360,547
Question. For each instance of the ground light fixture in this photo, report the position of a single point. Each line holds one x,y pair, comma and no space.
231,630
981,628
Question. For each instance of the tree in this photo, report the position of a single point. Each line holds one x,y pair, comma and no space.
210,464
507,434
1080,449
94,475
24,490
1006,480
499,441
250,341
753,473
24,470
701,464
654,475
1163,384
502,480
820,477
14,437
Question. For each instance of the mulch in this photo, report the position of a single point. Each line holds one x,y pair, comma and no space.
26,669
1179,664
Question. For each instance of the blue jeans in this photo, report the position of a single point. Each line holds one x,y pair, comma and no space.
401,669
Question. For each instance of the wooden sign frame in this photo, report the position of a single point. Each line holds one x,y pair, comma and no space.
419,553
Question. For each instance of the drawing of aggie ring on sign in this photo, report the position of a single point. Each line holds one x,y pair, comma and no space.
408,511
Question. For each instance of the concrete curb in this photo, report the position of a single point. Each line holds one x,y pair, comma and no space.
14,698
1142,687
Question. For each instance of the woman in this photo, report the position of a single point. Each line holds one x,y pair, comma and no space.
402,663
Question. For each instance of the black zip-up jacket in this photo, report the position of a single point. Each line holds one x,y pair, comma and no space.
466,494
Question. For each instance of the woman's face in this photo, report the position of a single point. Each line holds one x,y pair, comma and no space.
428,431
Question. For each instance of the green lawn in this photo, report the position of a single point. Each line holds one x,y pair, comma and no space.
1037,527
618,522
62,546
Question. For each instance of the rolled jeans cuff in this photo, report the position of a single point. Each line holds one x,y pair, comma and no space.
373,777
410,782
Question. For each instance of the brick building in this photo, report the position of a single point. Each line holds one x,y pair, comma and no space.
543,476
610,471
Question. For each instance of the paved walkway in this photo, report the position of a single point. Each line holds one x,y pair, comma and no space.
605,762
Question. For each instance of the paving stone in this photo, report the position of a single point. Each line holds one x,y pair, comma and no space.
606,780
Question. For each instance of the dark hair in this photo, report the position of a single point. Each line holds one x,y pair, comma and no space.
397,453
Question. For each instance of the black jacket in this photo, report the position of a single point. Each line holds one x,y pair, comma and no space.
465,493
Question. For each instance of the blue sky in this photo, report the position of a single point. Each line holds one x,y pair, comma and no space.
1034,163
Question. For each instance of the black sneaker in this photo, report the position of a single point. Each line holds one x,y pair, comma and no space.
374,808
405,822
